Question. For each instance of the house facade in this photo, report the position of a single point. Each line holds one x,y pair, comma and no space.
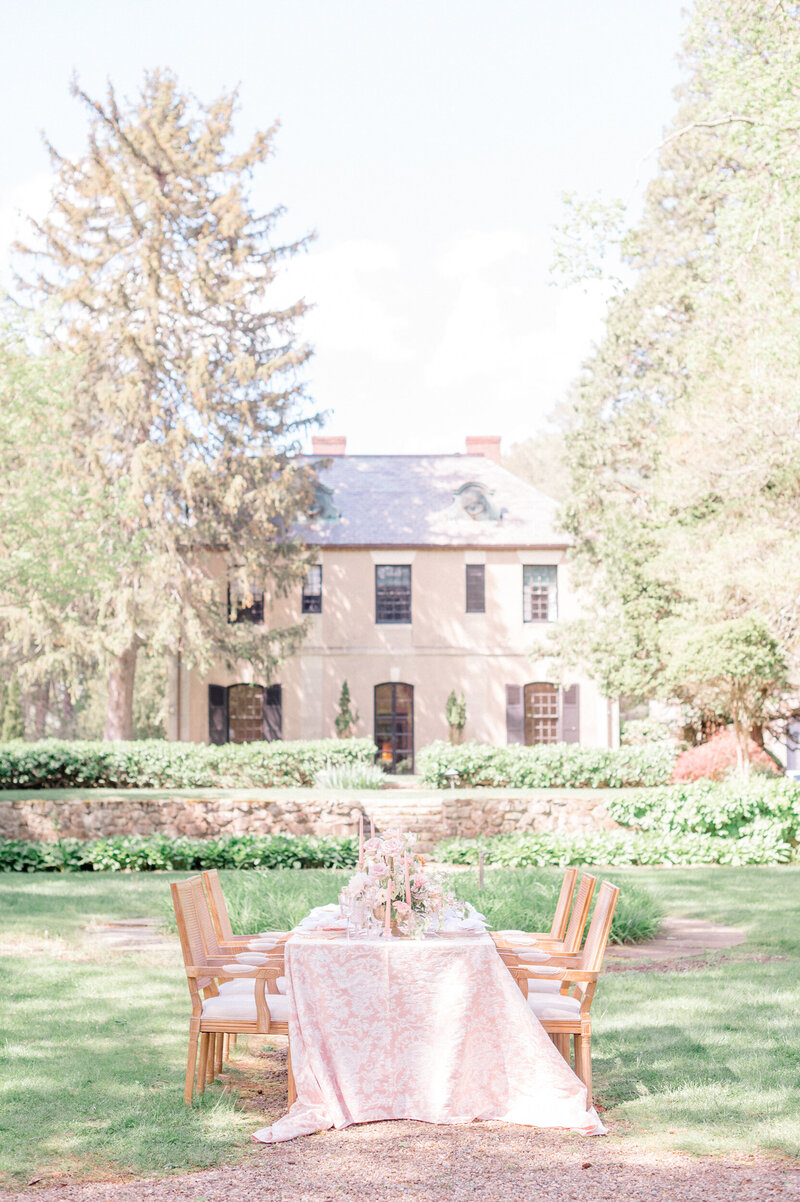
433,573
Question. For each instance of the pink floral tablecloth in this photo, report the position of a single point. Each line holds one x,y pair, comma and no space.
433,1029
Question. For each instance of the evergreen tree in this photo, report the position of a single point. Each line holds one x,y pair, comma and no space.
347,717
455,710
186,413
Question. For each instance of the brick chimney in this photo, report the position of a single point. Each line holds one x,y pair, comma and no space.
328,444
487,445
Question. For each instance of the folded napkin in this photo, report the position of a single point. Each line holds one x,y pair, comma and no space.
322,916
472,923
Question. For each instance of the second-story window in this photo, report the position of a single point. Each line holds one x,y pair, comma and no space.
312,590
393,593
476,588
539,593
244,605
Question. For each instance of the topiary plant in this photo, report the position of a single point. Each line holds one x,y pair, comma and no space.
455,710
347,717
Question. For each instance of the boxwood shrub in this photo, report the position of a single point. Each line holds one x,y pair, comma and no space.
546,765
156,764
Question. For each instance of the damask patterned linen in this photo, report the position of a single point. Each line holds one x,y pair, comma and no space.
435,1030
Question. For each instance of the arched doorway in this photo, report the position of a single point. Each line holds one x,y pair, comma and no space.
244,713
394,726
541,713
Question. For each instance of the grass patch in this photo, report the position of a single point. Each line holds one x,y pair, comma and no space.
92,1056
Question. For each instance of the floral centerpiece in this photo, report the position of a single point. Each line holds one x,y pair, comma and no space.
397,887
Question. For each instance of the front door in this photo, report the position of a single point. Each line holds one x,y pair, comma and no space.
394,726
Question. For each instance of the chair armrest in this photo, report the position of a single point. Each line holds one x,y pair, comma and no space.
572,975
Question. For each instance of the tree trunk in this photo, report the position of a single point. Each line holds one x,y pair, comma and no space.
742,748
41,701
119,715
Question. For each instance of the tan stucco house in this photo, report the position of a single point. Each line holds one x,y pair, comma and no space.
434,573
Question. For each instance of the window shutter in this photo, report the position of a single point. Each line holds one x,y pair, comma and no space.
217,713
515,714
271,712
570,715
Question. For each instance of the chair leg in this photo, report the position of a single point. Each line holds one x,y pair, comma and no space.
562,1044
218,1053
291,1085
226,1047
191,1062
212,1055
232,1040
202,1067
583,1063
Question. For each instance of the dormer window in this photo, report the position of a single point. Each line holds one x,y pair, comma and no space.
474,500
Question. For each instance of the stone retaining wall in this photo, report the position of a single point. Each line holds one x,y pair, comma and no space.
432,816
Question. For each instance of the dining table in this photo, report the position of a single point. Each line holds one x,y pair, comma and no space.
433,1029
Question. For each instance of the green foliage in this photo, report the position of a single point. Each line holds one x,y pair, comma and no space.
13,726
546,765
161,853
153,227
155,764
684,462
705,822
731,809
346,716
455,711
760,846
350,776
637,731
735,667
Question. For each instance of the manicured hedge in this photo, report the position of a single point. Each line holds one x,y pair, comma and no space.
156,764
547,765
159,852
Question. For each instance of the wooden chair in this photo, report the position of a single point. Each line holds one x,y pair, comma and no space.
514,947
263,1011
564,1015
221,919
559,923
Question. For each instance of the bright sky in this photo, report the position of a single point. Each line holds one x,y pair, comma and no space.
427,142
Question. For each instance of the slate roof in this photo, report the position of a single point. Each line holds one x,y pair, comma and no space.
427,501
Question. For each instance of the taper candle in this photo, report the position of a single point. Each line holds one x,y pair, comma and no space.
388,931
361,842
408,879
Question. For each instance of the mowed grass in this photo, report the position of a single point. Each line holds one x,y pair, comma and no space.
92,1042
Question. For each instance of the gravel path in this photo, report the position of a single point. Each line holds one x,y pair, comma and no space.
413,1162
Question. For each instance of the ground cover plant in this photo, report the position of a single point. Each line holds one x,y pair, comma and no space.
156,764
546,765
152,853
704,1057
702,822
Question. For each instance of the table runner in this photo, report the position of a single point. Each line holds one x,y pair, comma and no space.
435,1030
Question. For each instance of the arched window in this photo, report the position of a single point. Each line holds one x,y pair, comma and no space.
394,726
541,713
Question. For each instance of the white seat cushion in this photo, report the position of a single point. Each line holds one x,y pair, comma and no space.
241,1007
248,985
543,986
555,1006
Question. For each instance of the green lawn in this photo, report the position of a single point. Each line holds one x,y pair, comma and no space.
93,1042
